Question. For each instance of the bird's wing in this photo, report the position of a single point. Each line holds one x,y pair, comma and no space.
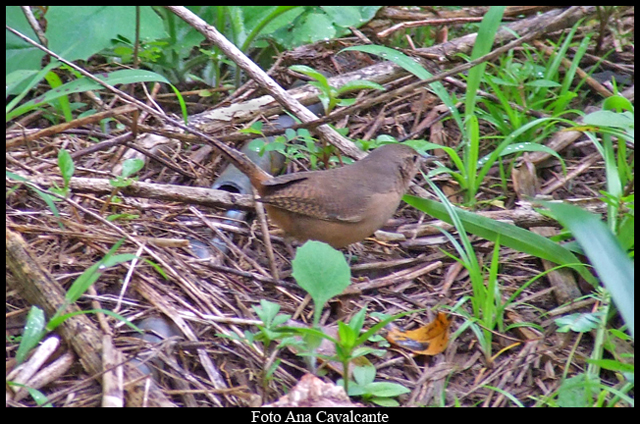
290,192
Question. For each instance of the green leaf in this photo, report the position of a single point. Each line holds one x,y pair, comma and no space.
131,166
56,321
322,271
543,83
346,102
268,314
62,104
122,216
346,335
120,182
65,163
46,197
113,260
617,104
626,232
612,365
527,147
410,65
484,41
83,282
80,32
607,118
614,267
33,333
20,55
510,235
579,323
266,311
359,85
397,57
371,331
310,72
386,402
313,27
16,78
344,16
91,275
37,395
126,76
357,322
364,375
258,21
278,320
384,389
576,391
27,85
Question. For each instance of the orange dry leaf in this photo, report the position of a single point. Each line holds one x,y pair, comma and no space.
428,340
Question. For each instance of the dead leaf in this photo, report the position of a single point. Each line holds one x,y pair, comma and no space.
428,340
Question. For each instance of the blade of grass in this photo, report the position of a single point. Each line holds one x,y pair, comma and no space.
486,35
410,65
614,267
510,235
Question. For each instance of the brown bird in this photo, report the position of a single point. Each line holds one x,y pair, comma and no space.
338,206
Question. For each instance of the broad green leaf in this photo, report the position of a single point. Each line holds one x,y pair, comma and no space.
576,391
78,32
607,118
364,375
384,389
579,323
18,53
131,166
617,104
322,271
